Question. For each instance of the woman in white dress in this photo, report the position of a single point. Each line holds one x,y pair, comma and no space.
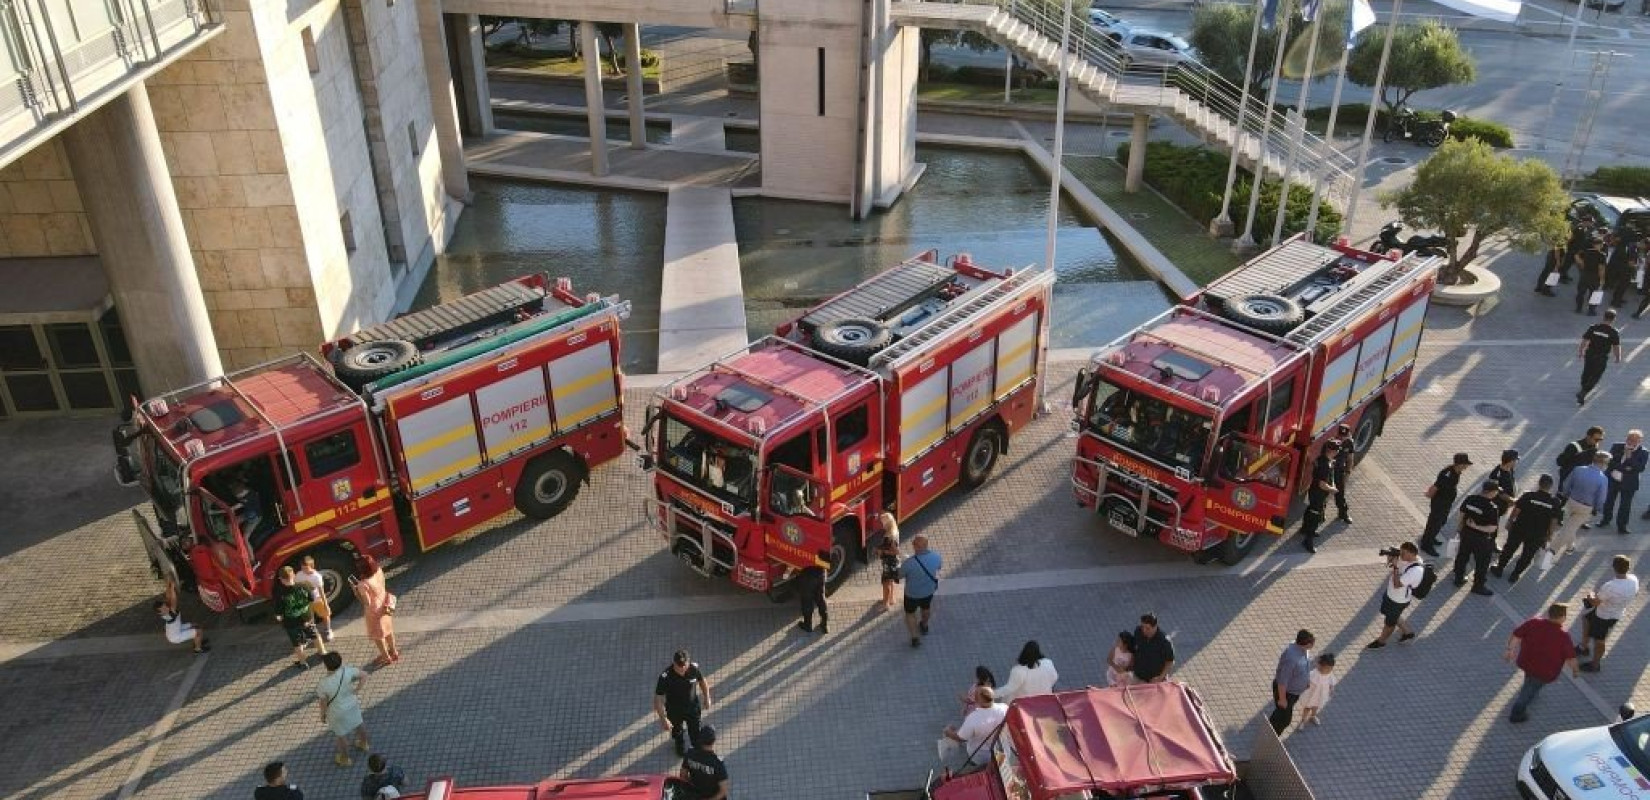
339,694
1120,660
1033,673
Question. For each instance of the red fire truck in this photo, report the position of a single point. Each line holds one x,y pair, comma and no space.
1199,428
410,434
878,399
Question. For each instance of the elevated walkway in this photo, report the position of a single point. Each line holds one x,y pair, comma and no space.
702,299
1189,93
566,159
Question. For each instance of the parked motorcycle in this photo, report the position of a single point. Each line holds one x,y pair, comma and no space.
1406,124
1427,244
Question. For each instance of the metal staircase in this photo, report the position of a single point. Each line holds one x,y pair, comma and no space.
1189,93
965,309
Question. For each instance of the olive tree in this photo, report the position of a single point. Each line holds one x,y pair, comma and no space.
1472,194
1424,56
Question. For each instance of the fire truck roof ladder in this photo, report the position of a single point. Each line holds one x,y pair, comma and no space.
1002,293
469,313
888,292
1274,271
1374,291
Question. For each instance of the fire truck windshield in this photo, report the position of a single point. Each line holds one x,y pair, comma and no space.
1172,436
715,465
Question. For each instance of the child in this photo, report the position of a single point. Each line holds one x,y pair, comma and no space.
1120,660
888,551
1317,692
982,677
318,592
178,631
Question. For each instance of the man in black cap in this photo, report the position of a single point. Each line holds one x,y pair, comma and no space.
1505,476
1342,468
1317,495
702,770
1480,520
676,700
1441,495
1529,526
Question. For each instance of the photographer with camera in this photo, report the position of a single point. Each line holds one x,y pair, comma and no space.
1480,522
1404,573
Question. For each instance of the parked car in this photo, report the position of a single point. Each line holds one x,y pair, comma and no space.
1107,22
1573,764
1149,48
1628,216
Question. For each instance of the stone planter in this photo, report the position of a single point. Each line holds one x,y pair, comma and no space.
1486,286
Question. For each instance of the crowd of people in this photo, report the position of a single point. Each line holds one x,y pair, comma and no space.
1608,266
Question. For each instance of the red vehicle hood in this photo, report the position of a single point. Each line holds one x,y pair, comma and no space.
628,787
1126,739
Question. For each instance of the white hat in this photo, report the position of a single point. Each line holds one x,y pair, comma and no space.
388,793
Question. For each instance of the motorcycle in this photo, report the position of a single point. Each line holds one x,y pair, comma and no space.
1427,244
1406,124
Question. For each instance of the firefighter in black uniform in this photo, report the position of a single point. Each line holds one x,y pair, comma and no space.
810,590
1342,467
1442,496
1597,344
1317,495
1530,525
1480,520
1505,475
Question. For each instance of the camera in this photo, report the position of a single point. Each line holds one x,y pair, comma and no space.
1388,552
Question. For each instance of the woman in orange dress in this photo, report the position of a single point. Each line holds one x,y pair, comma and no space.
377,608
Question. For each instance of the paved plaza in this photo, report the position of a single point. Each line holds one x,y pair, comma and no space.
530,650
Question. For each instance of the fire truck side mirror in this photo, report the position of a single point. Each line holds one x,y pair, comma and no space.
645,461
1080,386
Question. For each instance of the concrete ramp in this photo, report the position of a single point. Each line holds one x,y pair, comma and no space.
702,302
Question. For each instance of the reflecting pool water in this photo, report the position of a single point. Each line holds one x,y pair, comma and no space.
606,241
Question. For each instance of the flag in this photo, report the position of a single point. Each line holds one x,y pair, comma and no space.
1361,17
1269,14
1309,10
1498,10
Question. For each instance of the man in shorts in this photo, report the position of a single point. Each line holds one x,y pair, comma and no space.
1605,607
1404,572
292,600
921,575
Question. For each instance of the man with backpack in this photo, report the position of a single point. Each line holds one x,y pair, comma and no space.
1407,578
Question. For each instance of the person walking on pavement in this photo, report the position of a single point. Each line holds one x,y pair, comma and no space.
1342,468
1590,278
1597,344
339,696
1290,680
1441,498
1529,527
1627,460
1032,673
1542,650
1153,652
1480,521
1404,573
1552,272
293,611
680,697
1317,496
703,771
810,587
1505,475
377,608
1618,269
1584,492
1578,453
275,784
1605,605
311,577
888,555
921,575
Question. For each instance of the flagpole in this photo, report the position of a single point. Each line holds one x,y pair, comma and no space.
1369,124
1297,134
1059,138
1328,139
1222,225
1247,240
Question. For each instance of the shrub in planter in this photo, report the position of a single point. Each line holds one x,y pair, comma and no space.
1634,181
1194,179
1493,134
939,73
650,59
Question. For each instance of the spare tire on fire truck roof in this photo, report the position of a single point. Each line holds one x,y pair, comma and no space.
369,361
1270,313
852,339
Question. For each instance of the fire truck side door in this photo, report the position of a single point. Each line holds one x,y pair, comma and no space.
854,459
338,469
797,502
1251,492
229,556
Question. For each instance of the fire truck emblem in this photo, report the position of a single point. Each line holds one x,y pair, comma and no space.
792,533
1243,498
340,490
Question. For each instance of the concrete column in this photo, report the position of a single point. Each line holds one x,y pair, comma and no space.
1137,154
634,87
125,187
443,103
595,110
472,72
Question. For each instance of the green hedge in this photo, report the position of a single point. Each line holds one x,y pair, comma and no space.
650,59
1355,114
1194,179
1633,181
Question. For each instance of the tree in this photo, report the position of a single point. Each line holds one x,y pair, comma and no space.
1424,56
929,37
1220,33
1471,194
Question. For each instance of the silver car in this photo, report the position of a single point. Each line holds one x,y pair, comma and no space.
1148,48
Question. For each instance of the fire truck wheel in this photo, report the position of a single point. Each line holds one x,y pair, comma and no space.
1269,313
852,339
365,363
981,455
1369,427
548,485
335,566
844,550
1235,548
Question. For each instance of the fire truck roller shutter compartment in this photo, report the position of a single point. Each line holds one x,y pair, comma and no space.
1016,355
971,383
582,384
515,413
1372,357
439,444
922,415
1335,389
1407,340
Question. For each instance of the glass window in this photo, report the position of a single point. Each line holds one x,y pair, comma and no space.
331,454
31,393
706,462
127,381
1633,739
1246,462
72,346
853,427
114,339
19,350
1278,401
85,390
798,454
792,493
1172,436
